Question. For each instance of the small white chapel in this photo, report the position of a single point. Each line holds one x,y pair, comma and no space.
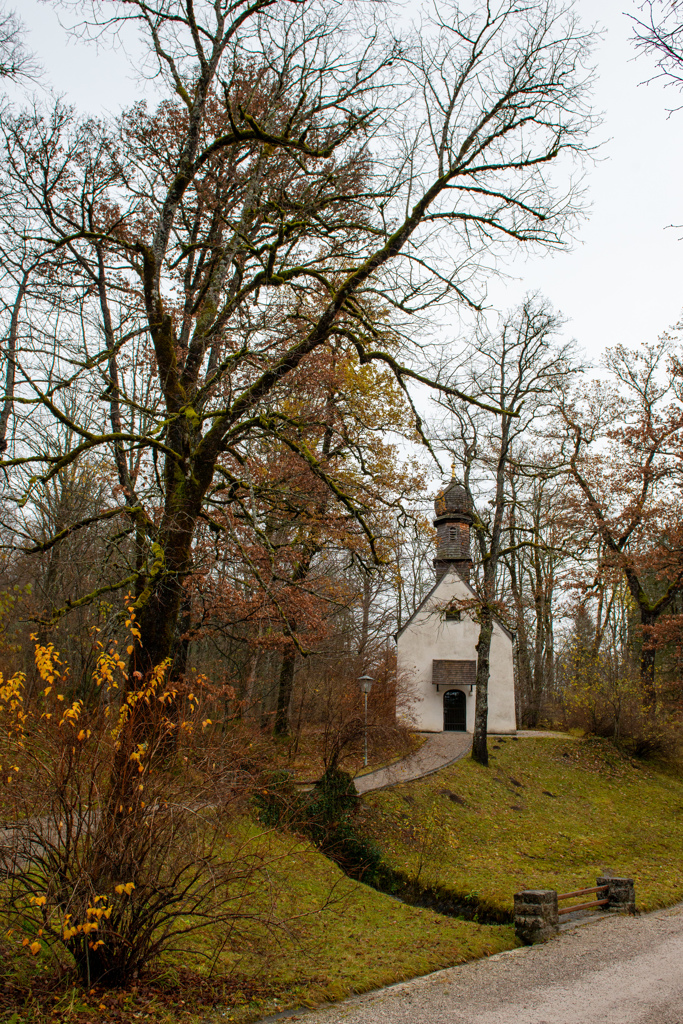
437,645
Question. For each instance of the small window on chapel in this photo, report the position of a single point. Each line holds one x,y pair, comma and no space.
453,615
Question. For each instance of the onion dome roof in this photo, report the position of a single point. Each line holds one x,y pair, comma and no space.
453,500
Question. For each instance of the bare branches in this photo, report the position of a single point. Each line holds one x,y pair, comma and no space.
16,62
658,33
306,179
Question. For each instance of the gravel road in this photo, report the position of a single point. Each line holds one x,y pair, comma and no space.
619,970
440,749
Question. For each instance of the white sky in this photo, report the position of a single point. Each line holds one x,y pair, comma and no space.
622,281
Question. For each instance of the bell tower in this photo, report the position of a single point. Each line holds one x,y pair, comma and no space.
453,520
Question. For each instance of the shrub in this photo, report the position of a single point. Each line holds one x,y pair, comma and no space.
329,823
277,801
110,852
325,816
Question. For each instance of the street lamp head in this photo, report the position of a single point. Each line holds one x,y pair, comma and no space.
365,683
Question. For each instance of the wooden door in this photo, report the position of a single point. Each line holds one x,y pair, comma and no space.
454,711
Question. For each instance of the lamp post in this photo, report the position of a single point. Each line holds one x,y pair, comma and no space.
366,685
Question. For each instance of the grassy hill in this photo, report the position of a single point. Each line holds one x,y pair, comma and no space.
547,813
328,937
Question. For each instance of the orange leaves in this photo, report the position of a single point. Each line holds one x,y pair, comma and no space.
139,755
99,910
110,664
148,695
72,714
48,664
13,718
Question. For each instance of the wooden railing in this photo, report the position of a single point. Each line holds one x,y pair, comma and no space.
583,892
537,916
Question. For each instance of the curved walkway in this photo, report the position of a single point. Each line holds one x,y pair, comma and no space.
439,750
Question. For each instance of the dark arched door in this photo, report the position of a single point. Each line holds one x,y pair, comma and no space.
454,711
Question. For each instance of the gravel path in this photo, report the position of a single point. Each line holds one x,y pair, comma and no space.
440,749
619,970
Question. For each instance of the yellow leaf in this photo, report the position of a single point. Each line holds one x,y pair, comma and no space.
35,947
130,648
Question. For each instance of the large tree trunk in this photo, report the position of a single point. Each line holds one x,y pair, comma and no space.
479,741
523,656
158,603
284,695
647,657
162,594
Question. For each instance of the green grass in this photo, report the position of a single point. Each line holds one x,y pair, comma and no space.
360,940
331,937
547,813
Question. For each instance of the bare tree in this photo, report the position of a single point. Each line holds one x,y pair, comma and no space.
658,33
519,368
306,177
16,62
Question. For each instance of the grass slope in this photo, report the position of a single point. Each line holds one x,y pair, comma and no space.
547,813
360,939
335,937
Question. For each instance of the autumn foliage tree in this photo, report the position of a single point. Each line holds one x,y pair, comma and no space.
622,449
270,567
305,179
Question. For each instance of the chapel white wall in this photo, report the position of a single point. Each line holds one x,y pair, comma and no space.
430,637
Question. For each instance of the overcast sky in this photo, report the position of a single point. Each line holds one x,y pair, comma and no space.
622,281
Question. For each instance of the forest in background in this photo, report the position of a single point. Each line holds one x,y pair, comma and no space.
225,416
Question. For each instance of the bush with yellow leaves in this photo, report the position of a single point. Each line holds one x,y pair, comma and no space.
113,850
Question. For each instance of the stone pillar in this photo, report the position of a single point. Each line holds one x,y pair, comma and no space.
621,895
536,918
